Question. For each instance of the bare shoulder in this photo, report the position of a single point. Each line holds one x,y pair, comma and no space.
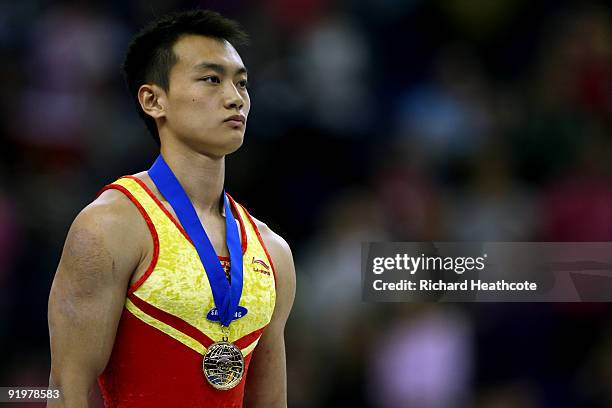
113,216
282,258
103,239
276,245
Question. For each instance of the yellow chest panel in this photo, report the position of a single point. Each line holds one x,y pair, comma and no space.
176,282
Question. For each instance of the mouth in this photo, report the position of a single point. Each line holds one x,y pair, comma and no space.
235,121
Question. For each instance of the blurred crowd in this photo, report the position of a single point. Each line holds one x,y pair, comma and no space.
414,120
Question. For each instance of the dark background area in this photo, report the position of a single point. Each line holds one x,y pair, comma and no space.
456,120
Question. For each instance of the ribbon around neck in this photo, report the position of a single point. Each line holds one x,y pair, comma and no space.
226,295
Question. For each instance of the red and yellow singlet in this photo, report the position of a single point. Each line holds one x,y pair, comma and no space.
164,333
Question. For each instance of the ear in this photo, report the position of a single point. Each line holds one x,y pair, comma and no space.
152,100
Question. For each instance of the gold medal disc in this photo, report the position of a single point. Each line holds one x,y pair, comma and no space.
223,365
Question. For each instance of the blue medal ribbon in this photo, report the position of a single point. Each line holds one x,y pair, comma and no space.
226,296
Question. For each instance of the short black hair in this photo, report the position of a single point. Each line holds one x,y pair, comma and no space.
150,55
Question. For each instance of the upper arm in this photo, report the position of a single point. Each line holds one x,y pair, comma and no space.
282,258
88,294
267,379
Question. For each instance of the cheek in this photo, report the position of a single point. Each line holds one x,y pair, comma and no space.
196,105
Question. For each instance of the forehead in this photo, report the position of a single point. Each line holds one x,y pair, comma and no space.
191,50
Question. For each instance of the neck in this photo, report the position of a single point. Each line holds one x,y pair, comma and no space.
201,176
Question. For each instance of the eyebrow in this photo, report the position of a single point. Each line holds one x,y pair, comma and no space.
218,68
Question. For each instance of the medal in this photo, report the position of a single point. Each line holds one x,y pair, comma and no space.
223,363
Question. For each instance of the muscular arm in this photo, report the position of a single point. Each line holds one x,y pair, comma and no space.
88,294
267,379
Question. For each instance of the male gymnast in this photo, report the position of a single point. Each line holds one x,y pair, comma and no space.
168,292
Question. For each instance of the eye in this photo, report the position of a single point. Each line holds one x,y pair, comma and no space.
243,84
212,79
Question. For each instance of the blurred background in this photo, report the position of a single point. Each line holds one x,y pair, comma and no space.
372,120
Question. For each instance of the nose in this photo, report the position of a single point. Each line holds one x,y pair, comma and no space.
232,99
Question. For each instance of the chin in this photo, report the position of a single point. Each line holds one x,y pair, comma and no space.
234,140
232,147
